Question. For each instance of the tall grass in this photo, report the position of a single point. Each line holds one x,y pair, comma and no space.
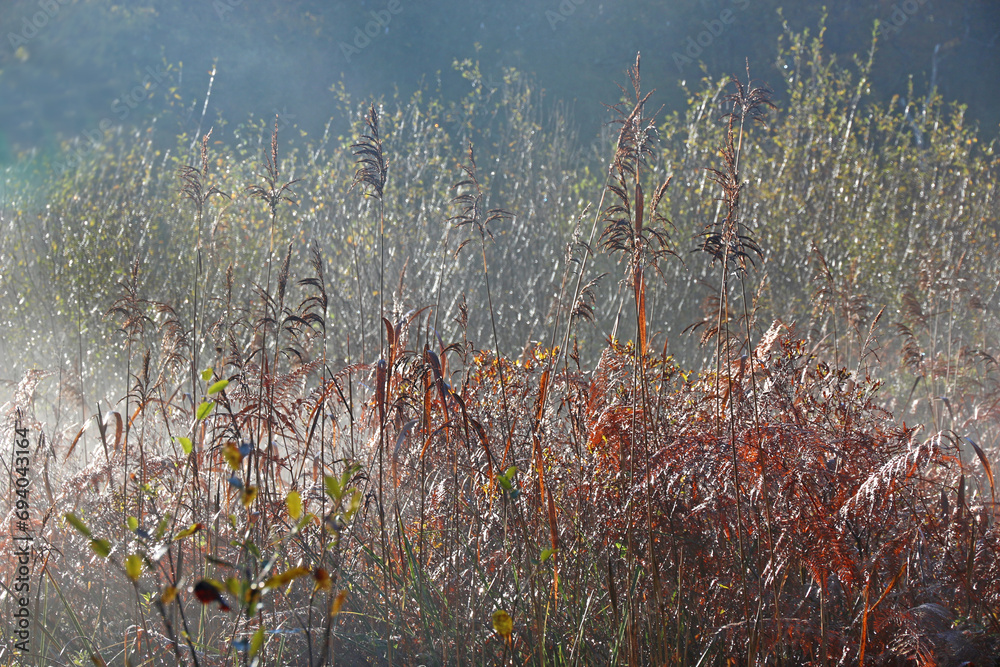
462,497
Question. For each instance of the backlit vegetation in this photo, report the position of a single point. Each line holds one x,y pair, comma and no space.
423,394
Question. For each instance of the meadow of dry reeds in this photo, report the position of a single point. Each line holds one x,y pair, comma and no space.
423,394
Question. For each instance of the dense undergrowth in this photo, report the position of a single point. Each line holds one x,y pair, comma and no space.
372,404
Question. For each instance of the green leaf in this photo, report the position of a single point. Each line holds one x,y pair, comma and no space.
235,587
186,445
76,523
285,578
133,566
205,408
348,474
505,479
257,642
217,387
231,453
206,374
294,502
190,530
354,506
503,624
248,495
333,487
101,547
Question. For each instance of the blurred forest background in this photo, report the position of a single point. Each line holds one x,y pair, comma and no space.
65,64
